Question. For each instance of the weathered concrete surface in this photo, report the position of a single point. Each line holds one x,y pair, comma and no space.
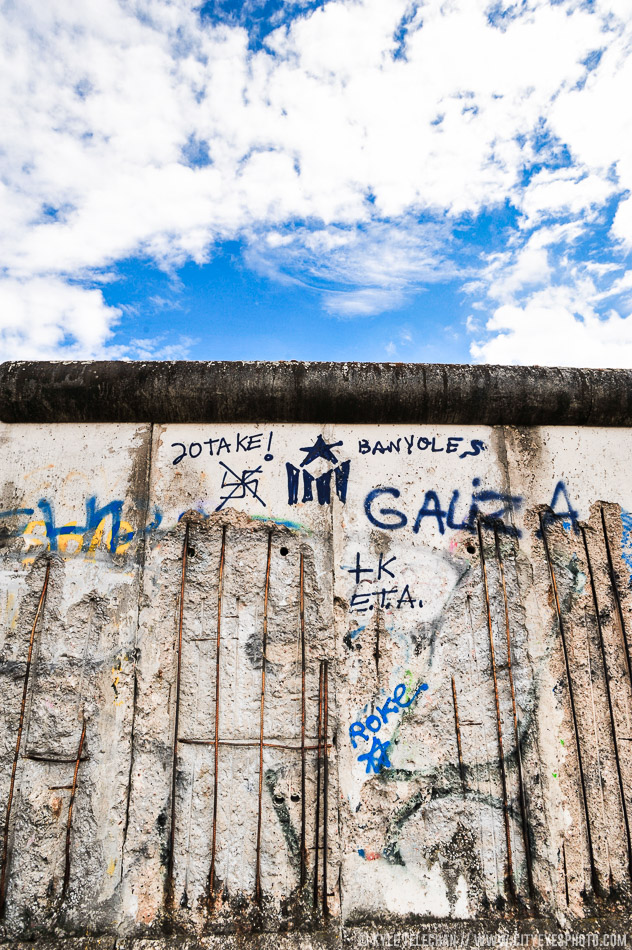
464,591
181,392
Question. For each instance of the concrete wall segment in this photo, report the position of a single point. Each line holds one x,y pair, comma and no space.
408,558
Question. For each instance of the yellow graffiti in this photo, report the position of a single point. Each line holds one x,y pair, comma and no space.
98,539
70,543
11,609
116,675
34,536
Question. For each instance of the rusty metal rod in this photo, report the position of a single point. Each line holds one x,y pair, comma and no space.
211,877
617,600
565,874
499,729
318,766
303,749
458,737
325,780
172,833
516,725
53,759
613,725
246,743
70,807
264,647
5,842
600,777
594,879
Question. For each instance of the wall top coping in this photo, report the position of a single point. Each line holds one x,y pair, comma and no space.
304,392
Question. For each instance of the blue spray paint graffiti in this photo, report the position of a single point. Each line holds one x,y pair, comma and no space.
568,516
86,536
504,506
446,518
377,758
626,538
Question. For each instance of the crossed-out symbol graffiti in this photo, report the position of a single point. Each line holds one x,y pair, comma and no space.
241,485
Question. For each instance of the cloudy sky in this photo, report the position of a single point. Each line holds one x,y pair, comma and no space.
448,180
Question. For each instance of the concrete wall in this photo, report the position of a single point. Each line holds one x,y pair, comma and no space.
314,678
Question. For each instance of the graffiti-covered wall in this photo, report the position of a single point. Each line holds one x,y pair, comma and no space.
314,677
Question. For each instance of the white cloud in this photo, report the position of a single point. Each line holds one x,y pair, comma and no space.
47,318
556,336
565,191
362,303
324,148
359,271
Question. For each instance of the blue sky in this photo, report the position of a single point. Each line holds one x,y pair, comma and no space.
444,181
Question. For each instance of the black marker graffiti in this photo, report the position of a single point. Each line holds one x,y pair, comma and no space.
242,485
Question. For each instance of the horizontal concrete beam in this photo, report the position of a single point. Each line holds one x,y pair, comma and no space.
164,392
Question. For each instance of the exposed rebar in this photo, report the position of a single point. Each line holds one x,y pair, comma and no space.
516,725
211,878
264,646
613,725
4,865
245,743
302,634
325,780
617,600
70,808
318,769
499,729
172,834
594,879
457,729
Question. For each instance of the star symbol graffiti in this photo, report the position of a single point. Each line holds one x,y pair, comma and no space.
376,758
320,450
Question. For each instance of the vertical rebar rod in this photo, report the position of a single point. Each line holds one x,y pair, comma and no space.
499,728
596,735
613,725
211,878
457,728
516,724
485,757
264,647
325,779
617,599
16,755
571,693
565,874
71,803
302,626
172,835
318,764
